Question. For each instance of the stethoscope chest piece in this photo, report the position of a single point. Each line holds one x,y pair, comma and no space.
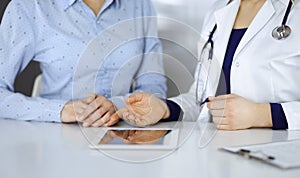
281,32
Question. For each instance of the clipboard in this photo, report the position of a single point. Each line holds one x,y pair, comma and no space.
283,155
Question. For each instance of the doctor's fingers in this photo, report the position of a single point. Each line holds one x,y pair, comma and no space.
225,127
217,104
218,101
137,97
135,120
224,97
222,101
220,121
143,121
129,116
218,112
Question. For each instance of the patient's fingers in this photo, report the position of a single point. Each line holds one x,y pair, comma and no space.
102,121
114,118
121,112
90,98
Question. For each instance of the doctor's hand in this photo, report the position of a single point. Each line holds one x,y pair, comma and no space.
143,109
233,112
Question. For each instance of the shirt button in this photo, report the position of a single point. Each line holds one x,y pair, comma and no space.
237,64
98,22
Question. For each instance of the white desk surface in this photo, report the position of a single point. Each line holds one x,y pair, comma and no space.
49,150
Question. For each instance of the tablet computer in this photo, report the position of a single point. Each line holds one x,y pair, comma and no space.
120,138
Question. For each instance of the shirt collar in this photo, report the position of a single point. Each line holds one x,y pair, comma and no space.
286,2
69,3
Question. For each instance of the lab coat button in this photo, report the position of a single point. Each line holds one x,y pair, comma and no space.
237,64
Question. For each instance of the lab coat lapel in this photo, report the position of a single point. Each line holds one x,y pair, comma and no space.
260,20
225,18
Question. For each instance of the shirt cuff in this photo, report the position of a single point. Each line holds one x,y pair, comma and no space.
176,112
53,111
278,117
118,101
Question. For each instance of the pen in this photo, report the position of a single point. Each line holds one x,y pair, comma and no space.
205,101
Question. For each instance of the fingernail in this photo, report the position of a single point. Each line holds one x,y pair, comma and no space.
85,124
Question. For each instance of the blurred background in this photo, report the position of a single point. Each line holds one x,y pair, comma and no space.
183,28
179,27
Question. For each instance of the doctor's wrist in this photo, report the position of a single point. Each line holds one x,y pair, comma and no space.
166,110
167,114
263,116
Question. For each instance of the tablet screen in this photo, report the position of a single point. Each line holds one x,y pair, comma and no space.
134,137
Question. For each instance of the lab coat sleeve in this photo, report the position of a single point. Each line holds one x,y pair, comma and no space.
16,51
278,117
292,113
175,112
187,101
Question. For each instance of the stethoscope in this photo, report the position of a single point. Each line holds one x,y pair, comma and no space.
283,31
279,33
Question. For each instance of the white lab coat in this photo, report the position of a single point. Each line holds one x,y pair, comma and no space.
264,70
